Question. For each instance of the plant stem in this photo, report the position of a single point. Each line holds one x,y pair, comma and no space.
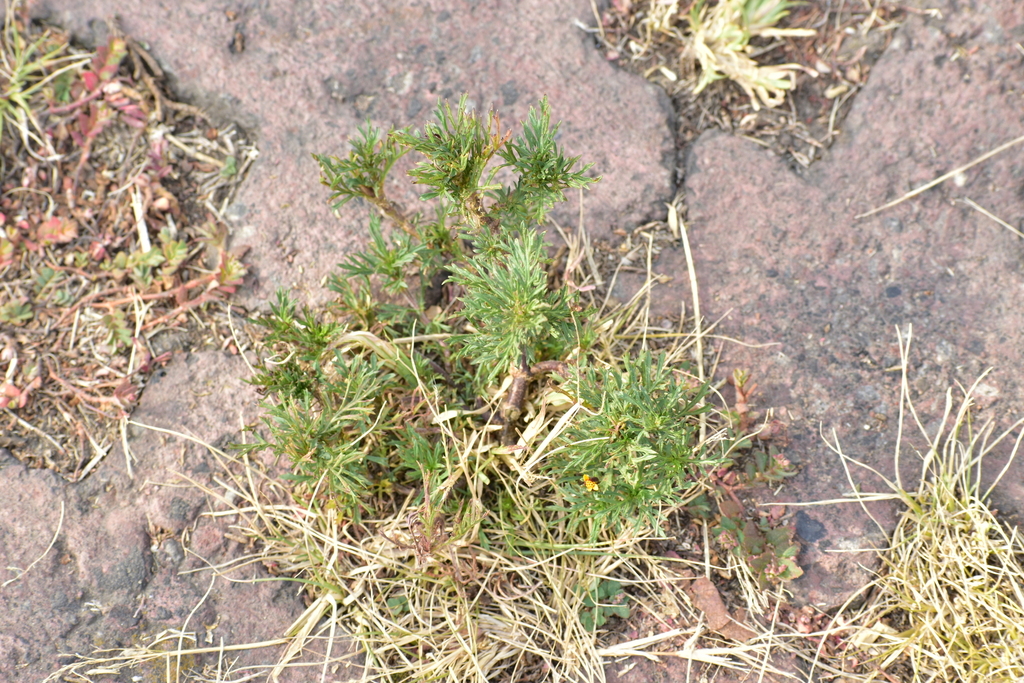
390,209
521,377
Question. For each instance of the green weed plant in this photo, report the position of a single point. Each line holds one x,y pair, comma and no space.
455,313
606,600
468,419
471,440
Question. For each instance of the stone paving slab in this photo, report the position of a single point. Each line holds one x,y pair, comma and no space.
312,72
118,571
778,250
780,253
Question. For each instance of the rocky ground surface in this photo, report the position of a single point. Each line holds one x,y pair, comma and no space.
778,251
782,255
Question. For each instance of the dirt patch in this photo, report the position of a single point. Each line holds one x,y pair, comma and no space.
833,64
112,248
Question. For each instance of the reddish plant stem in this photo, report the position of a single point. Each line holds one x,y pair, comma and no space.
389,209
208,295
67,108
176,292
86,398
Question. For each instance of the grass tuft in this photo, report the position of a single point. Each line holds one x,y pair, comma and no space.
948,603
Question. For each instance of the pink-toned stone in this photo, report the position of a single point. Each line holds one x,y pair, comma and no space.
106,583
311,73
780,253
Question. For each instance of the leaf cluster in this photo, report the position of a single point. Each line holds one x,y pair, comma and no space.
762,542
606,600
767,547
326,404
389,262
514,319
367,398
457,149
363,172
636,443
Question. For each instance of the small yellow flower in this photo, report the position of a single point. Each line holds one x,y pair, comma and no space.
591,484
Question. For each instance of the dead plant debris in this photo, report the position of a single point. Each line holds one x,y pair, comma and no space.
420,595
111,236
948,601
821,55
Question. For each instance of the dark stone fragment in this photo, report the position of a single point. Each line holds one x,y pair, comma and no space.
808,528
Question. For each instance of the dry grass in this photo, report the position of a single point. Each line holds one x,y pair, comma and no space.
713,42
720,74
423,597
948,603
719,42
